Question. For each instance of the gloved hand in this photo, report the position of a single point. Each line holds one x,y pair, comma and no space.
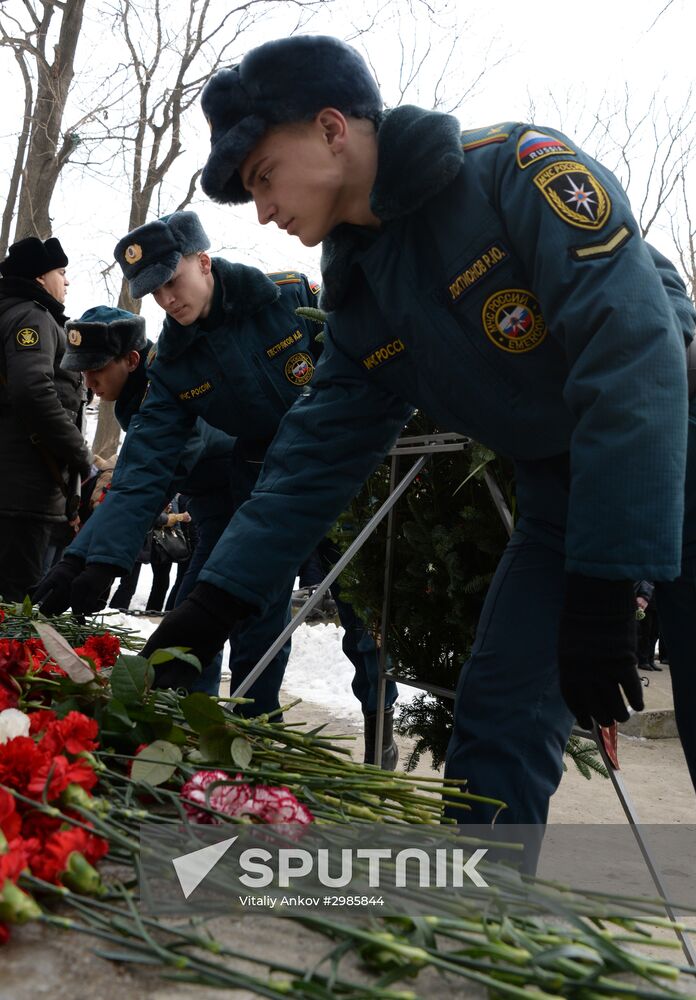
202,622
53,592
596,650
90,590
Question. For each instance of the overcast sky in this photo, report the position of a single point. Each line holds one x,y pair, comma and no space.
582,54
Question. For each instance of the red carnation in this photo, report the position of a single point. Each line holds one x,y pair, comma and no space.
38,826
13,863
58,772
39,721
10,821
103,649
15,657
19,759
50,863
74,733
9,696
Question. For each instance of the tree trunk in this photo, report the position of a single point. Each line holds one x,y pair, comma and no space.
108,432
47,154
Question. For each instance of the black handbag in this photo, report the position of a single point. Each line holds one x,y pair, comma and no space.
171,543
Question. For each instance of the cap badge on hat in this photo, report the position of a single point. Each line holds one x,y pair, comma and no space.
134,253
75,337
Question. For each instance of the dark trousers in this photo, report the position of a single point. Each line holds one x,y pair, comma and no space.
250,640
123,595
160,584
676,603
23,544
648,631
511,725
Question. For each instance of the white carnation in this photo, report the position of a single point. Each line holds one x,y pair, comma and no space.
13,723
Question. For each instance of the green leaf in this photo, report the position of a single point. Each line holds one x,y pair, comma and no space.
62,708
27,607
116,710
175,653
59,649
156,763
241,752
201,711
215,744
131,678
177,735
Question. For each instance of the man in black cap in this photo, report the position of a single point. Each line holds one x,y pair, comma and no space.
41,444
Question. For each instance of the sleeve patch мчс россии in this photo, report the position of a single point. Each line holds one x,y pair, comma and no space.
574,194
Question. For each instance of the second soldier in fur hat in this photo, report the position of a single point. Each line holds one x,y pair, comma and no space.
233,353
106,344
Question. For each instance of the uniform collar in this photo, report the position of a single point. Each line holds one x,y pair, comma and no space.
245,290
419,154
133,391
26,289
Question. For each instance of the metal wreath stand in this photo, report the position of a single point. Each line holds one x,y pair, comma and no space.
422,448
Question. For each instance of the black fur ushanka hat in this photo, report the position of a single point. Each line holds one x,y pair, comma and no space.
286,80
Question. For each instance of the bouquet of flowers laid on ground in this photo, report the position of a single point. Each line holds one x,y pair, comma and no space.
27,667
46,767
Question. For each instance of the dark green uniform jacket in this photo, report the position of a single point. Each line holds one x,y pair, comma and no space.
509,295
203,463
39,402
239,371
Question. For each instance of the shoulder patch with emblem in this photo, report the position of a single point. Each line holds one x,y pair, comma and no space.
512,319
299,368
476,137
314,287
533,146
574,194
151,355
285,277
27,338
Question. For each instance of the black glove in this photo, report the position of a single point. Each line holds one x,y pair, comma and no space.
90,590
202,622
53,592
596,650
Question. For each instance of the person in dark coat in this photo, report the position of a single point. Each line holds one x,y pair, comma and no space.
496,279
42,450
233,352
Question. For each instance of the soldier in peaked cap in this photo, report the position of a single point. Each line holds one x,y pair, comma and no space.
232,353
496,279
40,441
